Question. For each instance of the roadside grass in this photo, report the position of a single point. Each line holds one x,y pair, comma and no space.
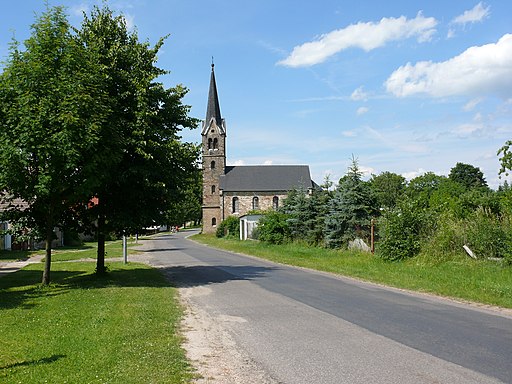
16,255
480,281
121,328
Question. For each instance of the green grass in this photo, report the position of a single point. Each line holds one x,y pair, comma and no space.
16,255
121,328
462,278
89,249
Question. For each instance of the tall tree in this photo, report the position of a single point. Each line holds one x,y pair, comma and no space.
387,188
468,175
51,106
350,210
144,161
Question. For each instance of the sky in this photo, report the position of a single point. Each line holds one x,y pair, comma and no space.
404,86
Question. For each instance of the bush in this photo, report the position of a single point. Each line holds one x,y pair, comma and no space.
273,228
229,228
400,232
487,235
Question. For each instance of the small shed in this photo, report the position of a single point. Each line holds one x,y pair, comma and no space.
248,224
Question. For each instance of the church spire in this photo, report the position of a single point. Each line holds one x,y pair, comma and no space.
213,108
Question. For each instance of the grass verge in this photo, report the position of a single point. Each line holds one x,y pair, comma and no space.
478,281
121,328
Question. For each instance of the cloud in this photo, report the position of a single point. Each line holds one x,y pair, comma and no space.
413,174
359,94
349,133
478,13
366,36
362,110
480,70
472,104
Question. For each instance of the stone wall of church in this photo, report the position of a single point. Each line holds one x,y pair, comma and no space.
245,202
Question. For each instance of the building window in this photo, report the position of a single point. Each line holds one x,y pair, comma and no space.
214,222
255,203
213,189
212,165
215,143
275,202
210,141
236,205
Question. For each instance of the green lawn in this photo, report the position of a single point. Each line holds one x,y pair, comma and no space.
479,281
122,328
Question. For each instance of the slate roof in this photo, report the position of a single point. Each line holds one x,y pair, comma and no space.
260,178
213,107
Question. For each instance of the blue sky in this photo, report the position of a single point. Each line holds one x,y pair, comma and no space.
404,86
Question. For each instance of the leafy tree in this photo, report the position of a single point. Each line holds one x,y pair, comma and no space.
144,163
469,176
422,187
187,205
350,210
51,106
387,189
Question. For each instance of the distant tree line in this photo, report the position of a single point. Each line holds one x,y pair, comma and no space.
431,214
89,137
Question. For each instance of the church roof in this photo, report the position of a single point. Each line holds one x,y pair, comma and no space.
213,107
260,178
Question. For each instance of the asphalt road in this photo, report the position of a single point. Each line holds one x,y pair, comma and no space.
308,327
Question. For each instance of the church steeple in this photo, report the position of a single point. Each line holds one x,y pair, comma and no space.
214,159
213,107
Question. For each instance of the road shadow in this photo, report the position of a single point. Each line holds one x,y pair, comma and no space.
198,275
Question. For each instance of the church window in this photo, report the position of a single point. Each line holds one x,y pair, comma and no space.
215,143
236,205
213,189
212,165
214,222
210,145
255,202
275,202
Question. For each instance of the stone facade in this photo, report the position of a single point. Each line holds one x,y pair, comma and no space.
246,202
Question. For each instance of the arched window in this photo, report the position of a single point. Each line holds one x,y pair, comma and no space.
214,222
236,205
213,189
275,202
210,141
255,202
215,143
212,165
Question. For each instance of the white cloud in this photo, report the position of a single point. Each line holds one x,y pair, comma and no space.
362,110
412,174
359,94
349,133
478,13
472,104
480,70
366,36
267,162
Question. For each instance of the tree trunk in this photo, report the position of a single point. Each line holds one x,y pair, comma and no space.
48,257
100,262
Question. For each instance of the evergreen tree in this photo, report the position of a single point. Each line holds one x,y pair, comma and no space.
350,210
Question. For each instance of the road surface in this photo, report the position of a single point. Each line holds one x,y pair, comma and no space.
300,326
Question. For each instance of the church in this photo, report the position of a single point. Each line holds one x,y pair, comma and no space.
237,190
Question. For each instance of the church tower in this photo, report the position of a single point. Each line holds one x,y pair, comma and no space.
214,158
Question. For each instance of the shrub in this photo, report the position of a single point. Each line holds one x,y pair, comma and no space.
487,235
229,227
273,228
400,232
